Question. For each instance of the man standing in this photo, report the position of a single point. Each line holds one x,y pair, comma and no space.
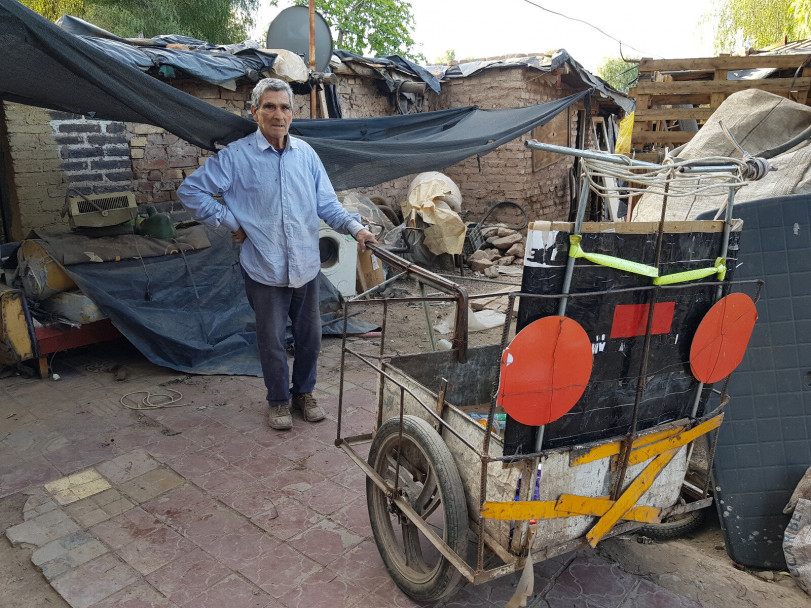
274,190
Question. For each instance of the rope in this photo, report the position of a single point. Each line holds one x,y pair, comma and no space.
642,180
147,404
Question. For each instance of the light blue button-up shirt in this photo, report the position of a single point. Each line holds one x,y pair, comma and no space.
277,198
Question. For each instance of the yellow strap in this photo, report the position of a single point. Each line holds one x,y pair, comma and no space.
720,269
576,251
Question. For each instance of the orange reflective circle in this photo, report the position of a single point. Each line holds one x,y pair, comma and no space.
721,338
545,370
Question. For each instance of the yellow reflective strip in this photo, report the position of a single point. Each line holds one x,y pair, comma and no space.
610,449
520,510
575,251
643,454
720,269
628,499
587,505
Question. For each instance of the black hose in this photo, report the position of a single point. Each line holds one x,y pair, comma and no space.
797,139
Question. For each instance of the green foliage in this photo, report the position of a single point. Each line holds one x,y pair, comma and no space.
217,21
617,72
376,27
759,23
446,58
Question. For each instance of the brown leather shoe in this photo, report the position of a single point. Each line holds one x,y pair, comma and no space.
279,417
310,410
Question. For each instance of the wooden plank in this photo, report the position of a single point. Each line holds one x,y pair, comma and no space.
587,505
642,454
666,99
707,87
659,137
628,499
727,62
673,114
610,449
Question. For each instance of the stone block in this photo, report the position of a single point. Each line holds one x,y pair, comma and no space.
151,484
517,250
66,553
481,265
94,580
138,142
506,242
41,530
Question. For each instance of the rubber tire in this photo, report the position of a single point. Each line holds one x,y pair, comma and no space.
444,578
675,528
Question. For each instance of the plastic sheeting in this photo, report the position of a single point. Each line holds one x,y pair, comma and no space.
189,312
48,67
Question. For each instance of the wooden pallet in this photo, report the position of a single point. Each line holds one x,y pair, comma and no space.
702,85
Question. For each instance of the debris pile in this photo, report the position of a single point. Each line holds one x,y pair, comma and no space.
503,247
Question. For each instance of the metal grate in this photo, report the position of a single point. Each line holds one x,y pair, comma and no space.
102,203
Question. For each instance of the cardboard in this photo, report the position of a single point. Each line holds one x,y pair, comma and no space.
370,271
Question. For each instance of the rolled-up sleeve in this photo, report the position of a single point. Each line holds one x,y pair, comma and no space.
198,190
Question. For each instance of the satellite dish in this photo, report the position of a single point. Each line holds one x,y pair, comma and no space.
290,30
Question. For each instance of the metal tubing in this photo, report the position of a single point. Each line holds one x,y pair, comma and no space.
578,226
590,154
440,283
427,312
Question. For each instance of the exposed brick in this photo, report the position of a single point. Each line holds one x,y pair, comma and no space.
102,165
116,150
104,139
118,176
137,153
115,127
141,129
81,152
79,127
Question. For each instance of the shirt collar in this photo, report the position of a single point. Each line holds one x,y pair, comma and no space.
263,143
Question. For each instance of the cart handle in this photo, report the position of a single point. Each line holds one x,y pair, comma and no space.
459,342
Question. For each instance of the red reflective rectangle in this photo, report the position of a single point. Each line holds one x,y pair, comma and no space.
632,319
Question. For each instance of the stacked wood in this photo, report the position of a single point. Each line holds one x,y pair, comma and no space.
699,86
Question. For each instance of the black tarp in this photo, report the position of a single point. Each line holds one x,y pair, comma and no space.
48,67
189,312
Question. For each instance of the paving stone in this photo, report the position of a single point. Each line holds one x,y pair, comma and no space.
234,592
137,595
15,478
292,517
88,513
127,527
127,466
187,577
321,590
148,553
77,486
63,554
362,565
80,455
38,504
280,571
151,484
41,530
93,581
325,542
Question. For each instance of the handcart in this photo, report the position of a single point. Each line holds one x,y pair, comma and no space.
606,384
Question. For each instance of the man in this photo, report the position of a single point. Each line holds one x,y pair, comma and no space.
274,189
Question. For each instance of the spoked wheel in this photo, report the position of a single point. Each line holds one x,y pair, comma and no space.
430,482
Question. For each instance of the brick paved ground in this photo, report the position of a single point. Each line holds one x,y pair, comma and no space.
203,505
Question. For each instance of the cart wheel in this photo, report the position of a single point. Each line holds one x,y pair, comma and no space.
676,526
430,482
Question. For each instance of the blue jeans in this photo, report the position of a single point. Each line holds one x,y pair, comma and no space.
272,306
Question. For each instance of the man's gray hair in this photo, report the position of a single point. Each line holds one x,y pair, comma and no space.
269,84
